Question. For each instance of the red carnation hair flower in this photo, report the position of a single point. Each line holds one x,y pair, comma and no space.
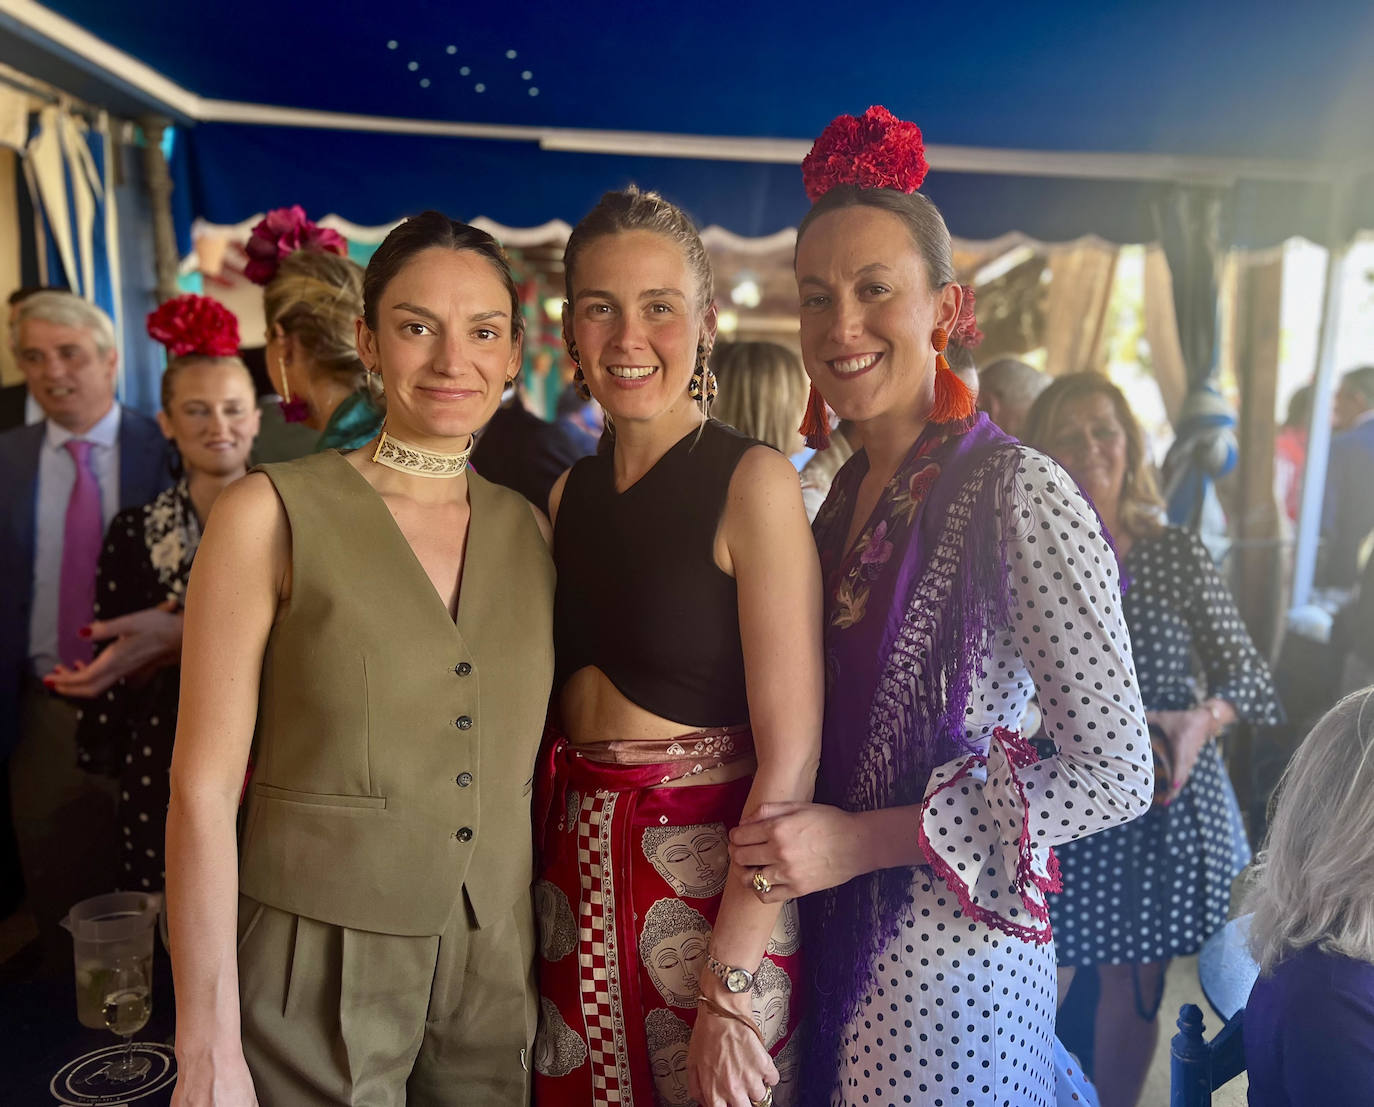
284,231
876,150
195,325
966,331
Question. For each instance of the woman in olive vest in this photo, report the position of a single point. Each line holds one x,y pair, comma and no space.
374,628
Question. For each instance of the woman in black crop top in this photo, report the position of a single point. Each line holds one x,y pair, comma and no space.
687,632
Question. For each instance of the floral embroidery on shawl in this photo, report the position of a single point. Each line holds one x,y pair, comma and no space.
897,508
171,532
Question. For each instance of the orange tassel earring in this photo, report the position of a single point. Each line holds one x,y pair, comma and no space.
954,399
815,426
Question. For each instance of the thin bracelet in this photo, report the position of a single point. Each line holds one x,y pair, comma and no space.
724,1012
1213,708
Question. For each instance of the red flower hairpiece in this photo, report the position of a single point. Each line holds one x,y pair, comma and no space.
876,150
284,231
195,325
966,331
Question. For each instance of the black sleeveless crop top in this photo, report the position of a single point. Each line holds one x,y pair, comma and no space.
640,595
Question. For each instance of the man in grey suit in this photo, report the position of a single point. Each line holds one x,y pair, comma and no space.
64,479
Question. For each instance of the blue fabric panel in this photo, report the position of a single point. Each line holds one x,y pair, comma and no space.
377,178
1265,79
179,167
103,291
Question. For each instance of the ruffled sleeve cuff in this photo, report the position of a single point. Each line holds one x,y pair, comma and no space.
975,834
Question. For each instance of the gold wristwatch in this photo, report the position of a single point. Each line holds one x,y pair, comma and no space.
736,980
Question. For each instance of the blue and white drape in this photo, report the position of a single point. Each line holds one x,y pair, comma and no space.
1194,228
69,167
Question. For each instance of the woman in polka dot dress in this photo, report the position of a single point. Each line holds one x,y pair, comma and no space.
210,412
1142,894
963,574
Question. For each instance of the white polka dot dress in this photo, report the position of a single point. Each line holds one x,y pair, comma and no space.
1158,887
961,1013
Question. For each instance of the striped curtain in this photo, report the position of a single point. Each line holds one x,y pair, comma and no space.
68,165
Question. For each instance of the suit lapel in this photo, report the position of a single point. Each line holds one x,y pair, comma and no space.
19,454
23,487
143,471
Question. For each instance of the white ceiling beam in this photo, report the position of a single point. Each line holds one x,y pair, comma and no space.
100,54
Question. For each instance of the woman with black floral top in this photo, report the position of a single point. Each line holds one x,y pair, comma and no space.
208,411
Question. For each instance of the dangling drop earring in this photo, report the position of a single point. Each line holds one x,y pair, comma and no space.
579,381
292,411
954,399
815,427
703,382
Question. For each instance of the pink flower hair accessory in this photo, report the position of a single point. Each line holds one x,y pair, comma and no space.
193,324
875,150
284,231
966,331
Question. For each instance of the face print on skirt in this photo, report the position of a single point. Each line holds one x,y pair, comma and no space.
667,1037
673,946
557,1047
553,914
786,937
788,1063
694,860
771,1000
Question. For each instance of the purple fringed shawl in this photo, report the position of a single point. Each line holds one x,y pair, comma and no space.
884,732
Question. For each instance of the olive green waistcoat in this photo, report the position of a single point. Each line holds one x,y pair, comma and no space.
395,749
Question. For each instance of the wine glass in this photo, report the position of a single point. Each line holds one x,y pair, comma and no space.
128,1003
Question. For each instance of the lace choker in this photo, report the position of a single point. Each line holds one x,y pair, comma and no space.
405,458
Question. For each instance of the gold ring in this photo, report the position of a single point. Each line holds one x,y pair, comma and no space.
763,887
766,1101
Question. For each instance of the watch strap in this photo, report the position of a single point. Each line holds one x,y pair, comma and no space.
722,971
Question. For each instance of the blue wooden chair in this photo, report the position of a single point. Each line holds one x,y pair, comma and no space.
1198,1067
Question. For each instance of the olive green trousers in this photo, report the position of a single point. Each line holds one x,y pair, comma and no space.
332,1016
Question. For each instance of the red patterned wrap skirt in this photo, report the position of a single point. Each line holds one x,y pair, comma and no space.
630,881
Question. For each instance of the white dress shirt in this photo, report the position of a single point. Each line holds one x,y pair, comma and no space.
56,479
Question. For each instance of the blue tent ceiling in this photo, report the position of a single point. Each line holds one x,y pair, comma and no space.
1260,80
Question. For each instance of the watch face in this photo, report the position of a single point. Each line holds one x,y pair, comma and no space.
738,980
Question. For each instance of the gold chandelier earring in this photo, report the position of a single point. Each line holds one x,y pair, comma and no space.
292,411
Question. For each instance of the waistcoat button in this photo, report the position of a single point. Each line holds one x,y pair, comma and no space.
463,780
463,722
465,834
462,668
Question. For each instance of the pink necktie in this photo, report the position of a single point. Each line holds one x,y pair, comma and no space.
80,552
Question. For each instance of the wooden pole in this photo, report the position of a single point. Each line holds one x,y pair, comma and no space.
159,184
1257,559
1258,564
